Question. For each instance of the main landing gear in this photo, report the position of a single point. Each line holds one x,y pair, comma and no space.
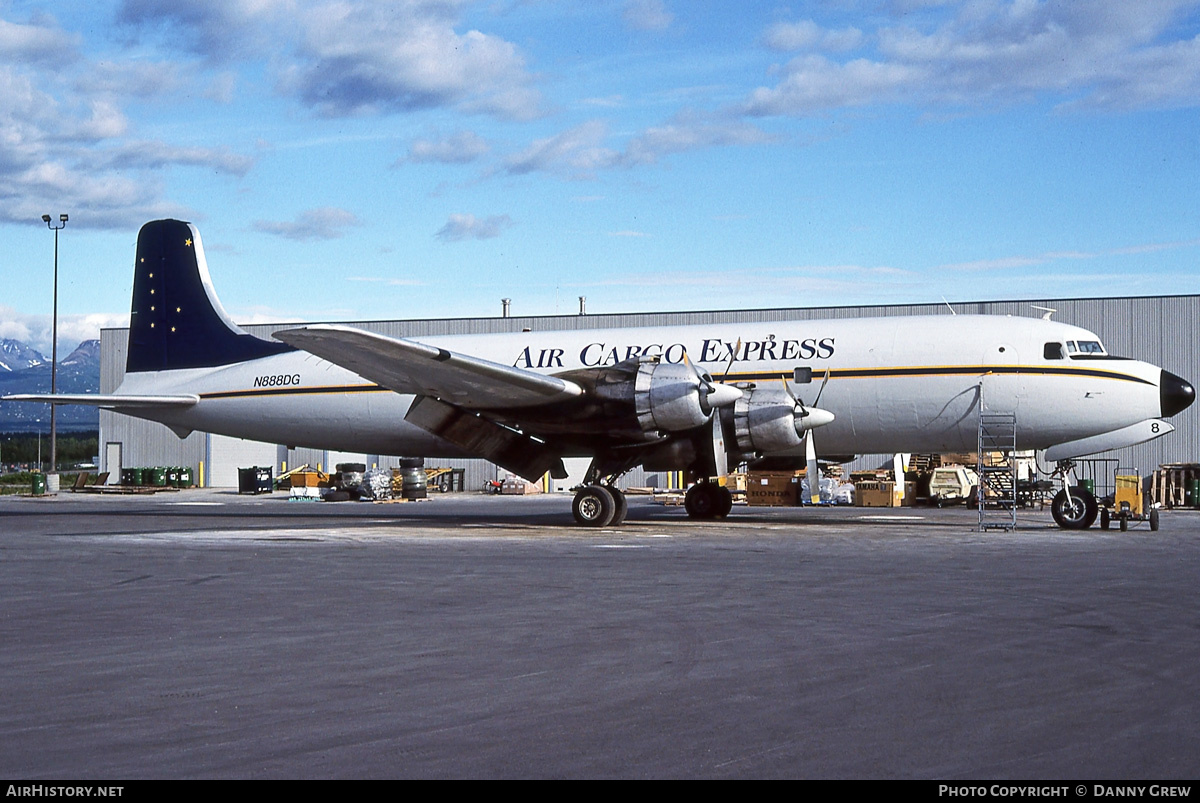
708,500
599,506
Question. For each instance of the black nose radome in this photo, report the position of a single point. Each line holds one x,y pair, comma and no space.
1175,393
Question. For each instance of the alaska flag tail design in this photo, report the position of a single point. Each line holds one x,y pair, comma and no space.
176,320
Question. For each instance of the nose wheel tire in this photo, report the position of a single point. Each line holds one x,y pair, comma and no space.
1076,512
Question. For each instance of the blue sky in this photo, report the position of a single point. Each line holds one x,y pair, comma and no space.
365,160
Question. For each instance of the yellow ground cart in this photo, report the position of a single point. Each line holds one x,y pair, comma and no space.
1129,502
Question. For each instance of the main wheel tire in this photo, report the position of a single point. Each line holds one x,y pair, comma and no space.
724,502
621,506
701,501
1075,513
594,506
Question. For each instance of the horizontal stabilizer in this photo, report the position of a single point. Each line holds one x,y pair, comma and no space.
1117,439
114,401
406,366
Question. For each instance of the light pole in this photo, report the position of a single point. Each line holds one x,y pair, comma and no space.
62,222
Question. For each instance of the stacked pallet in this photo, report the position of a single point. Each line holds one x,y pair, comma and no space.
1174,485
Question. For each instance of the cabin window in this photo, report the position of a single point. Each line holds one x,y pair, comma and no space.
1054,351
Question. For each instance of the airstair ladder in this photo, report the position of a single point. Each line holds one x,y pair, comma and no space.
997,469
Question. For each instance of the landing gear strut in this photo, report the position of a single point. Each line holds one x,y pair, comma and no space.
708,500
599,506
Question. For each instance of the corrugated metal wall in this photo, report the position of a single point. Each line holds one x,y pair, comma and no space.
1158,329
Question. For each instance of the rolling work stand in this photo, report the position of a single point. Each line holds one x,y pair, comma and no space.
997,468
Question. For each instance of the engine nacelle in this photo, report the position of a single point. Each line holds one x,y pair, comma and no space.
765,420
769,420
669,397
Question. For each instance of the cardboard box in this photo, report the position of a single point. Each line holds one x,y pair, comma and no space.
876,494
515,486
309,479
773,488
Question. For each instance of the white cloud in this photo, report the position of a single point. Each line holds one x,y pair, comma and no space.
689,131
326,223
1102,54
37,330
368,58
1047,257
344,59
459,148
218,31
807,35
647,15
37,41
134,154
814,83
576,152
65,138
468,227
581,151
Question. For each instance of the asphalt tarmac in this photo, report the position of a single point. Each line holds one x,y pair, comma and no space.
201,634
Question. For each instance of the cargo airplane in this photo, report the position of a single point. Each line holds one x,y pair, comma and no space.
692,398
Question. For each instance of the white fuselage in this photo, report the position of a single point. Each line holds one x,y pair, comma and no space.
895,384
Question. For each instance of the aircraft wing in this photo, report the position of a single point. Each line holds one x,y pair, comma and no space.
115,401
407,366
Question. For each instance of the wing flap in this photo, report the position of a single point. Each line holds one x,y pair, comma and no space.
407,366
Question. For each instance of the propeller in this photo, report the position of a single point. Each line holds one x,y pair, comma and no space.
712,394
811,417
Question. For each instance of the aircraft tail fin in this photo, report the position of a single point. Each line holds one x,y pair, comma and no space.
176,320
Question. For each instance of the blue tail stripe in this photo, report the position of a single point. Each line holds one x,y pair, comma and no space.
176,321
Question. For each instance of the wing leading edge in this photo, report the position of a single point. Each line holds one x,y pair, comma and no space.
406,366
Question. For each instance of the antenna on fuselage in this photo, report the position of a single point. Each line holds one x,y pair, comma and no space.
947,303
1046,310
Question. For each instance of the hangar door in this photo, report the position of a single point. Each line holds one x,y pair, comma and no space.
226,455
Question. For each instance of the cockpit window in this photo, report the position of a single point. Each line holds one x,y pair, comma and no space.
1081,348
1054,351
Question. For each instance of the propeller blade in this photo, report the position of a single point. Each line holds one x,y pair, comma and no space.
811,470
821,390
791,393
732,357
